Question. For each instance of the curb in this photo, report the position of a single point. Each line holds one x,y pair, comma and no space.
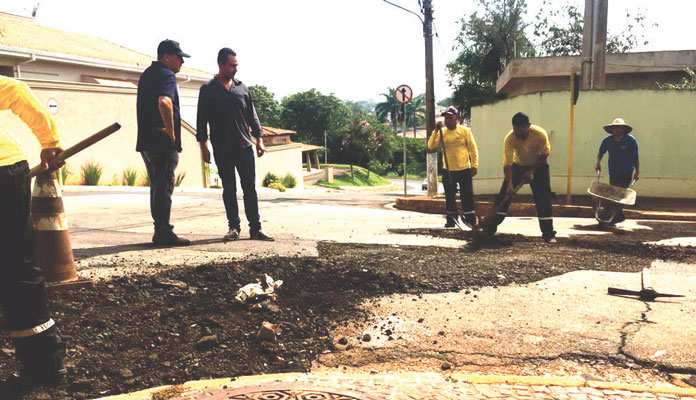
430,205
382,188
243,381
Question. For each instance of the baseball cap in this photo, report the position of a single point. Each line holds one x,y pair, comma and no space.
169,46
450,110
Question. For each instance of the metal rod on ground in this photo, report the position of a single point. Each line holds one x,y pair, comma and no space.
74,149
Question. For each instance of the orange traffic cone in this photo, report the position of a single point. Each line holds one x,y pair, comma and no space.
52,249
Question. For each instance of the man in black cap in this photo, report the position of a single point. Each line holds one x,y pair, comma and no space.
159,136
460,158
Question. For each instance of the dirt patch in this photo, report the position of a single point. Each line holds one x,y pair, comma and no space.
182,324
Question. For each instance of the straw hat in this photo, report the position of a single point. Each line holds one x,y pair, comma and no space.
618,122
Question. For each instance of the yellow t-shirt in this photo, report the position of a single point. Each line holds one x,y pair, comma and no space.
462,152
526,152
17,96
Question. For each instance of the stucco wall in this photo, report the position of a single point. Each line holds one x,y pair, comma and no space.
664,124
281,160
85,109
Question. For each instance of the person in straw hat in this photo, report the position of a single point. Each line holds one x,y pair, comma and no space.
623,157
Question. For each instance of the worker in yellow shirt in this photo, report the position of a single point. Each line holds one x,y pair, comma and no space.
461,164
525,152
40,351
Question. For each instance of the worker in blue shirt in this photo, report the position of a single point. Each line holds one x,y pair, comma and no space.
623,157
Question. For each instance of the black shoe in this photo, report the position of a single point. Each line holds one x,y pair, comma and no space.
618,219
169,239
450,224
451,221
550,238
261,235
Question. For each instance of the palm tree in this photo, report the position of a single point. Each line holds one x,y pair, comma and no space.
389,109
415,112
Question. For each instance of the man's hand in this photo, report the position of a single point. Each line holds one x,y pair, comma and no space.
474,171
438,125
168,132
598,167
511,191
205,153
47,155
260,148
636,176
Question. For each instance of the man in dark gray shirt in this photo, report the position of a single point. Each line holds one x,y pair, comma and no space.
224,103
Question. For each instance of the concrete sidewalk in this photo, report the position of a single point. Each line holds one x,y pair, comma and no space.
407,385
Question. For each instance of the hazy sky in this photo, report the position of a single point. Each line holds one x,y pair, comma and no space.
352,48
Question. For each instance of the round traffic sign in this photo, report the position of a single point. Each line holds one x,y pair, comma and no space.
403,94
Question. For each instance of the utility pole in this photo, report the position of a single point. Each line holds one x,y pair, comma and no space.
587,45
594,44
431,158
600,45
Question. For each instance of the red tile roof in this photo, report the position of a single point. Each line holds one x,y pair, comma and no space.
269,131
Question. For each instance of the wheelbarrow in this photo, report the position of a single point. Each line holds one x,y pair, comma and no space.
610,199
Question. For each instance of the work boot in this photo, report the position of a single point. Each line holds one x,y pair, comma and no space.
169,239
261,235
469,220
450,221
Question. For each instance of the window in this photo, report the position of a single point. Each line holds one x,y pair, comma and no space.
7,70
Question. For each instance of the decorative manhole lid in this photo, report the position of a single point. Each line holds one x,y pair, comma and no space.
282,392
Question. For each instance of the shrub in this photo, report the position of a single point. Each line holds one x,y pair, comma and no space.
146,178
179,178
64,172
268,179
91,172
289,181
277,185
130,175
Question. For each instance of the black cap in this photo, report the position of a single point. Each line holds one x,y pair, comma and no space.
451,111
169,46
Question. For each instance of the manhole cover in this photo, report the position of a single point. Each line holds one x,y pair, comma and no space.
290,392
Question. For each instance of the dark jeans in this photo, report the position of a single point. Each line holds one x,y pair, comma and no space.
160,167
623,181
243,161
22,294
541,191
461,178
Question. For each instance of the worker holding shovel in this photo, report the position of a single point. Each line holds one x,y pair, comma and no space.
525,150
460,156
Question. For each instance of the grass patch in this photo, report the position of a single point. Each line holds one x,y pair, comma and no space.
361,179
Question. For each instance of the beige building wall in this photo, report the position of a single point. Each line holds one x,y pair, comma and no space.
281,160
664,123
84,109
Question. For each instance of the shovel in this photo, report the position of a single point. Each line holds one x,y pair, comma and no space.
487,221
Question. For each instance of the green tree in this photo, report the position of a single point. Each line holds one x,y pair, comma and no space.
388,110
559,30
687,83
486,43
311,113
415,112
268,109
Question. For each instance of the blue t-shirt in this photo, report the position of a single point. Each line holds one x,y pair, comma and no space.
157,80
622,154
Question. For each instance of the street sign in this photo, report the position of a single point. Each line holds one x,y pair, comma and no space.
403,94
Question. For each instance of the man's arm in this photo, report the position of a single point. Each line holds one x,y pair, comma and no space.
598,166
636,174
202,124
166,109
473,153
